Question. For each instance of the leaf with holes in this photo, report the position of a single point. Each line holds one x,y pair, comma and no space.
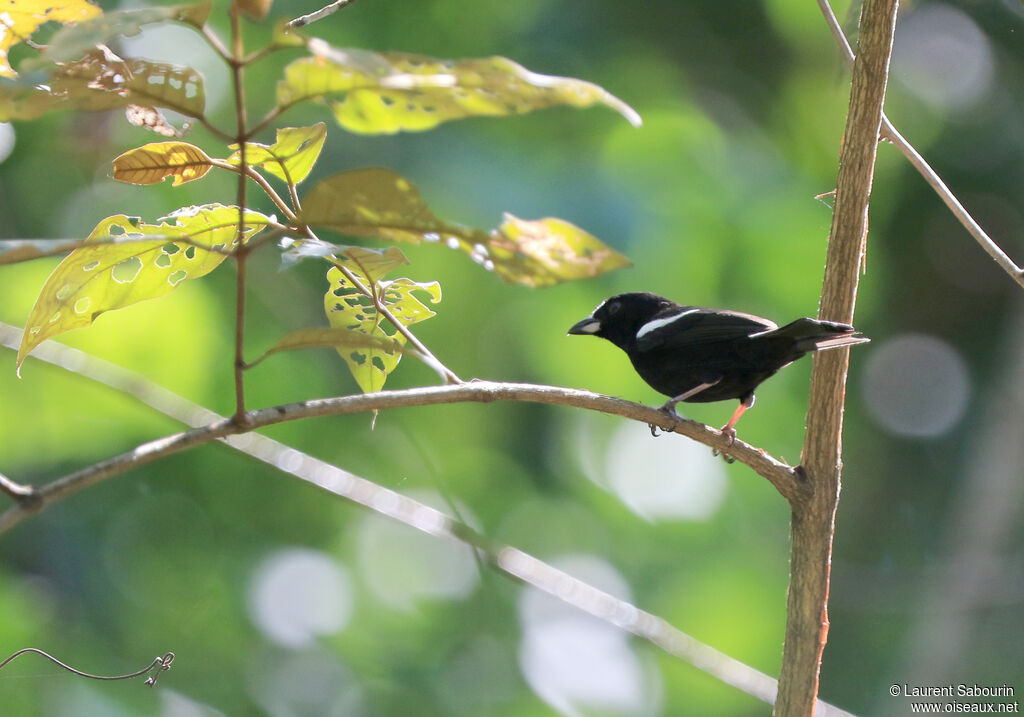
106,276
103,81
334,337
154,162
71,42
20,19
384,93
291,157
350,309
381,204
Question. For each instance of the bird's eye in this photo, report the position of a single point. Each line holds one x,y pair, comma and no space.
613,308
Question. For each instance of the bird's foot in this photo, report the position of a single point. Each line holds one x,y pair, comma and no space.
669,409
730,432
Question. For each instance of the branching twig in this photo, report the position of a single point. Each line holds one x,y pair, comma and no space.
426,519
890,133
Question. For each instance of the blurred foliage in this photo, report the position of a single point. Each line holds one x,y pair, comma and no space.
714,202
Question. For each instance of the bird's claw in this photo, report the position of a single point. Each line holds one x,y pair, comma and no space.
670,410
731,434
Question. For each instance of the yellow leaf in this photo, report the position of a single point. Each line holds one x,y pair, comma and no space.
111,275
348,308
291,157
20,18
152,163
383,93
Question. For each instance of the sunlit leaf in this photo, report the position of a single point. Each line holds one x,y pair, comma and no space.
106,276
20,18
291,157
349,308
152,163
333,337
71,42
381,204
383,93
102,81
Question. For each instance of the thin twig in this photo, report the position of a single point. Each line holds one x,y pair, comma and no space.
19,491
214,129
216,43
320,14
261,181
158,665
242,252
891,134
387,502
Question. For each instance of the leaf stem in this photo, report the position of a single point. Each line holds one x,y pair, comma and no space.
260,180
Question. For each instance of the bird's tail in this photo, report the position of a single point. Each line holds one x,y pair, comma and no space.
813,335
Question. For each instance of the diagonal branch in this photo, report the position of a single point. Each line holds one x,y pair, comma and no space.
339,482
890,133
208,427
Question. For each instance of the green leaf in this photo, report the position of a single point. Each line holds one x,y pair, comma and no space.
349,308
335,337
105,276
102,81
20,19
384,93
381,204
291,157
72,42
154,162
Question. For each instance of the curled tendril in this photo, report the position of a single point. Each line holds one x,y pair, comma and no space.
158,665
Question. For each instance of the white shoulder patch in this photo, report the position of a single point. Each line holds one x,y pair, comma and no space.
664,321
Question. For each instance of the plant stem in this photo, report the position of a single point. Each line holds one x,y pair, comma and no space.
241,252
814,507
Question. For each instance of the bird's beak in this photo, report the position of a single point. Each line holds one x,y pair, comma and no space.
589,325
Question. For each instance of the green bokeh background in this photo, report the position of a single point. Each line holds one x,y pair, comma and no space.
713,199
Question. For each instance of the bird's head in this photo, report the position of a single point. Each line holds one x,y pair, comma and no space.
620,317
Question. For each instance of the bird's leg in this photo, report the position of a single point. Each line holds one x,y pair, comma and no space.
670,406
729,429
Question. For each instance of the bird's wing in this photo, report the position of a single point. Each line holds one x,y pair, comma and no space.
689,326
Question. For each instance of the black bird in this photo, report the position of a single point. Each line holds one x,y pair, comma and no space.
702,355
